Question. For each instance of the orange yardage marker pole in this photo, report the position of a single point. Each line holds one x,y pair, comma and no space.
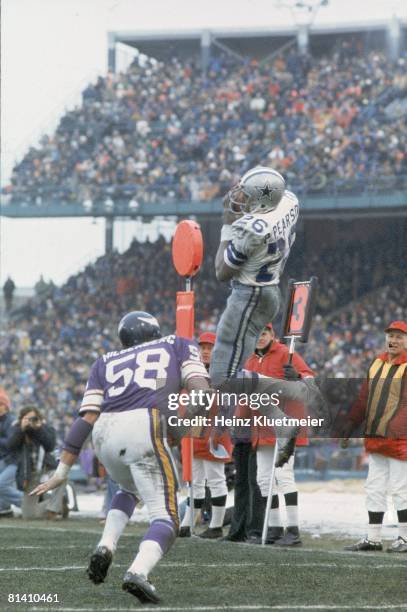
187,254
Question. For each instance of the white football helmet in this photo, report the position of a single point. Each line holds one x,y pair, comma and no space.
258,191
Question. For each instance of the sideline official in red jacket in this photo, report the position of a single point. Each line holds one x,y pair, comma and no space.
271,359
382,405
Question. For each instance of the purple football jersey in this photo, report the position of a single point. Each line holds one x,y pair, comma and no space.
142,376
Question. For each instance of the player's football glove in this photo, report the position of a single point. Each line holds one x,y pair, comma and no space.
290,373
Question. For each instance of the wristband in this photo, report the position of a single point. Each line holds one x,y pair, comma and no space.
62,471
77,435
226,233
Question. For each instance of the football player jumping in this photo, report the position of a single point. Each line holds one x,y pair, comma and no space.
258,232
125,403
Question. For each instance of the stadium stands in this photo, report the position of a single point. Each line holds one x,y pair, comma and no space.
332,124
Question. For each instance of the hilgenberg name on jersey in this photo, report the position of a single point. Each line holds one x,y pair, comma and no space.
261,243
142,376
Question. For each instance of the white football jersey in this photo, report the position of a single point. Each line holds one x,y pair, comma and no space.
261,243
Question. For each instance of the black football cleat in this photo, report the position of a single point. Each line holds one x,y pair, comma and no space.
212,533
99,563
140,587
273,534
184,532
364,545
290,538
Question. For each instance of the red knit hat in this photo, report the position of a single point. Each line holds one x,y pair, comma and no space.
207,338
4,398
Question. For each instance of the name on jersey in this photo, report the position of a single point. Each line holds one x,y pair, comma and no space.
168,339
278,230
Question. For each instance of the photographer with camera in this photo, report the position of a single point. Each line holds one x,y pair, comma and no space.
33,440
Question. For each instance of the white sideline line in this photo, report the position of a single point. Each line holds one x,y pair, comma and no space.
19,547
53,529
208,565
61,530
231,607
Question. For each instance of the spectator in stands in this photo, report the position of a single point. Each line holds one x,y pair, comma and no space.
8,292
9,493
32,440
163,131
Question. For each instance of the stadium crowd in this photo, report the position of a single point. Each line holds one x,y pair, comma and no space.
163,131
49,343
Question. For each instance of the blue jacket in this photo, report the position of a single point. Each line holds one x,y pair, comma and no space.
6,422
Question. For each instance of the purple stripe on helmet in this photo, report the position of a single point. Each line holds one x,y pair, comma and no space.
124,501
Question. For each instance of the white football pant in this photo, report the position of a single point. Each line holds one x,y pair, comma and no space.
284,479
131,447
386,476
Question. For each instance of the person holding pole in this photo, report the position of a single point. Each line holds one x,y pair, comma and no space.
271,358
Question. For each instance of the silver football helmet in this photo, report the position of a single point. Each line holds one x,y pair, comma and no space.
258,191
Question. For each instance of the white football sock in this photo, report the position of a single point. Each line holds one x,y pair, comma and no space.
403,530
217,518
292,516
274,517
186,521
374,533
149,554
115,524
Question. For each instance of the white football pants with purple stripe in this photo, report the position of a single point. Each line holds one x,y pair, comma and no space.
133,450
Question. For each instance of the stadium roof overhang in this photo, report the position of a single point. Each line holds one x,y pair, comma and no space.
246,42
374,205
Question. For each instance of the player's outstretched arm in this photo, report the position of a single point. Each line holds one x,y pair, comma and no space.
77,435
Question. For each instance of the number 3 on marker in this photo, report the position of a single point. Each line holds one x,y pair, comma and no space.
298,310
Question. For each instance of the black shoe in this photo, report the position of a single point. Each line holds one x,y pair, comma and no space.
286,450
233,538
6,513
364,545
185,532
140,587
212,533
273,534
290,538
99,563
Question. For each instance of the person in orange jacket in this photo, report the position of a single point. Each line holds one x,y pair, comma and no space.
271,359
206,468
382,406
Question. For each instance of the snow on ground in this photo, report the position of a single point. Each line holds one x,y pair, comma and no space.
326,507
